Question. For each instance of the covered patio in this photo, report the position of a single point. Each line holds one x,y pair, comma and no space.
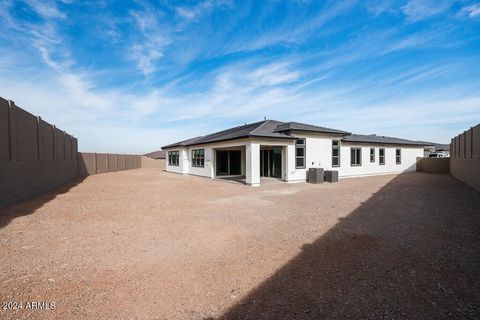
253,162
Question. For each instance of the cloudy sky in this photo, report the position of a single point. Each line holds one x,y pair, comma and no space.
132,76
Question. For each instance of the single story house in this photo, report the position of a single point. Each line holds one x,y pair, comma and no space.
286,150
159,154
435,149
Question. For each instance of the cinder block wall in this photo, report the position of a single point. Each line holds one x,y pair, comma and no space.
93,163
34,155
465,158
433,165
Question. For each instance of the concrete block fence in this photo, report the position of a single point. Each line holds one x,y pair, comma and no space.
36,156
93,163
465,157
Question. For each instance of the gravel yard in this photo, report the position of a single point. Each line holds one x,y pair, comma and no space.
146,244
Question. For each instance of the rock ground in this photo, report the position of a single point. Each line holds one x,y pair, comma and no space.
145,244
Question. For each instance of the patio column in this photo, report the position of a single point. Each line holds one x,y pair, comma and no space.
290,162
252,167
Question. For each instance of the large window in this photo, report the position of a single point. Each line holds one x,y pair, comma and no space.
300,153
398,156
381,156
173,157
356,156
372,154
335,153
198,158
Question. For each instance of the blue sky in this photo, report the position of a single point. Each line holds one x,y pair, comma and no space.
132,76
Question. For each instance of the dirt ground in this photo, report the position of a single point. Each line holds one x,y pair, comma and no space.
145,244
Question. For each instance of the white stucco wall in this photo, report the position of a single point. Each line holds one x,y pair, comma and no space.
408,160
185,163
319,155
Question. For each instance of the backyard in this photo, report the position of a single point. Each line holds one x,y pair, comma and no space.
146,244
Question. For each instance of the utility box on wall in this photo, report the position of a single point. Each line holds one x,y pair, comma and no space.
315,175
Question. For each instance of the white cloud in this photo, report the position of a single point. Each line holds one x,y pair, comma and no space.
417,10
200,9
46,8
471,11
146,58
148,49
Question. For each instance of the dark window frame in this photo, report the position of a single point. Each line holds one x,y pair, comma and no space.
381,159
357,156
174,158
302,146
372,155
336,147
198,161
398,156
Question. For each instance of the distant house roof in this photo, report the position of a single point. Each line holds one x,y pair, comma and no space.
159,154
283,130
372,138
438,146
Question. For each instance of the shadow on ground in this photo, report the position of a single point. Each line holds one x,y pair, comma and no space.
412,251
26,207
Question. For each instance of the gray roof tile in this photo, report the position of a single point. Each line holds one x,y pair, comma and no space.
290,126
381,140
282,130
258,129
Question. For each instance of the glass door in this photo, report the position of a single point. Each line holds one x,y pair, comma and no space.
229,162
271,162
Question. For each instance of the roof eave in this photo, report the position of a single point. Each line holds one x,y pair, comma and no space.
223,140
393,143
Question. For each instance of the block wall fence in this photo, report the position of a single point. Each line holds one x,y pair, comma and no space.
433,165
93,163
36,156
465,157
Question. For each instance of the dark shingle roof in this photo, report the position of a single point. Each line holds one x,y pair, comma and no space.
258,129
159,154
381,139
289,126
282,130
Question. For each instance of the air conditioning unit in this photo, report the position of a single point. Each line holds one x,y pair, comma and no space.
331,176
315,175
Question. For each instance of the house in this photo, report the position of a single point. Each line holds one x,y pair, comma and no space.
436,150
286,150
159,154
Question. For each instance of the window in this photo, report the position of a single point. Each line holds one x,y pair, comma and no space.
381,156
198,158
372,154
355,156
398,156
173,157
300,153
335,153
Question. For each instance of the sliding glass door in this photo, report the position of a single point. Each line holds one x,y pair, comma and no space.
271,162
228,163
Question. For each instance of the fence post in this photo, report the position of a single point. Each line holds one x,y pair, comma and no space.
64,149
12,132
53,139
471,143
39,139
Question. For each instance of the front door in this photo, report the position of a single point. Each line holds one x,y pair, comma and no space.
271,162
